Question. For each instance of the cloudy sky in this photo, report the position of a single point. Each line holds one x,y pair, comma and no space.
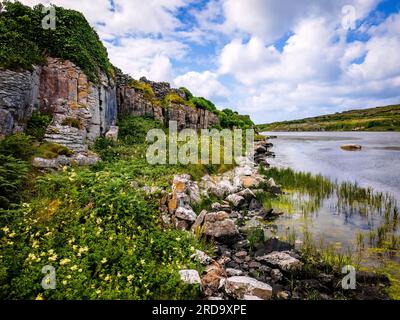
272,59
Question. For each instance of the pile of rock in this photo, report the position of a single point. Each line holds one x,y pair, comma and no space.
262,153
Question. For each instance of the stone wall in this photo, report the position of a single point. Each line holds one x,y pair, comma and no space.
133,102
82,111
18,99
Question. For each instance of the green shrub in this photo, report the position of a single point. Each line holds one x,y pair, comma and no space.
189,95
37,125
50,150
72,122
18,145
12,175
133,130
231,119
176,99
24,43
203,103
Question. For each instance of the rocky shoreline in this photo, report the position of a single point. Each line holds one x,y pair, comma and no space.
244,267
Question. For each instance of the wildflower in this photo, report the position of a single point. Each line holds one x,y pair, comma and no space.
35,244
39,297
178,239
80,270
65,282
74,267
65,261
129,278
107,278
6,230
104,261
98,291
53,257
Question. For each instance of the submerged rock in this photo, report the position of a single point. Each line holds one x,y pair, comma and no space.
351,147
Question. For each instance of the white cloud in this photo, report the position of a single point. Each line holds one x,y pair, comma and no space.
146,57
204,84
129,16
271,19
316,71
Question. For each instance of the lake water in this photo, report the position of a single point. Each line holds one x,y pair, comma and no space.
377,165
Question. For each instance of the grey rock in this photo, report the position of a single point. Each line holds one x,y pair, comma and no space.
190,276
186,214
283,260
239,287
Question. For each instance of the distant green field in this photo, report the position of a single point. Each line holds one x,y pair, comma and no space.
373,119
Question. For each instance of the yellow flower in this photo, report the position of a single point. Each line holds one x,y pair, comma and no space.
130,278
104,261
6,230
53,257
64,282
74,267
65,261
39,297
107,278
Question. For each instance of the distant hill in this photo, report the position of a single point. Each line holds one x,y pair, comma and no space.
373,119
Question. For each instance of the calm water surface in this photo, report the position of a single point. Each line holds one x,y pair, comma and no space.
376,166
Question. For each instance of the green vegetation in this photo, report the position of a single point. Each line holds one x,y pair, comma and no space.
97,226
49,150
232,119
227,117
37,125
72,122
176,99
374,119
143,87
24,43
309,195
13,173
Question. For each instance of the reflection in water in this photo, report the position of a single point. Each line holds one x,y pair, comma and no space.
350,218
376,166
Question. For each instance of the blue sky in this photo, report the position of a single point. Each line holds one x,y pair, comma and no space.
273,59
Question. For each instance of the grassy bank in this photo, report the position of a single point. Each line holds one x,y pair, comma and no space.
374,119
99,226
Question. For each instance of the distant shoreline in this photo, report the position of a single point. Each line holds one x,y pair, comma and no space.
380,119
